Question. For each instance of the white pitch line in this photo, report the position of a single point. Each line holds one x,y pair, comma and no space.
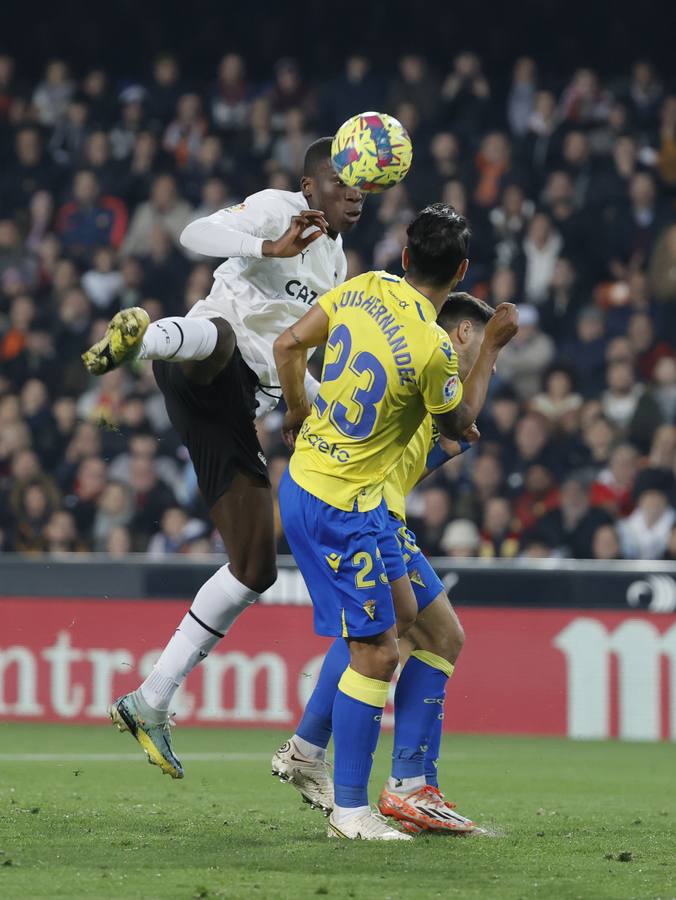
127,757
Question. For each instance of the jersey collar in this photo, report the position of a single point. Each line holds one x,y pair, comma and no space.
422,304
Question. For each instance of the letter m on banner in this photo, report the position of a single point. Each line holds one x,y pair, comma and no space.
639,648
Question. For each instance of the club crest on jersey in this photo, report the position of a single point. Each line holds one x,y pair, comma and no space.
333,559
238,207
451,388
370,609
416,578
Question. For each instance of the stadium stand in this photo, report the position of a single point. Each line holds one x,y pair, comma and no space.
571,192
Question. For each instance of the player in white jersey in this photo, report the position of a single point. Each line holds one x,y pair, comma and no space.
216,370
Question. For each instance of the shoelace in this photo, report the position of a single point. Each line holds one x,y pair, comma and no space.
436,796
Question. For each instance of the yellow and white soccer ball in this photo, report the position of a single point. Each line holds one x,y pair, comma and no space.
371,151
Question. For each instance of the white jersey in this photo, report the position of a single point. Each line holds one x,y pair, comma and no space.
261,297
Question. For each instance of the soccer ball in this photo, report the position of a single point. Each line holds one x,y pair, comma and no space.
372,152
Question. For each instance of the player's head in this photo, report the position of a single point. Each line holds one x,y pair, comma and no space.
464,318
438,243
323,189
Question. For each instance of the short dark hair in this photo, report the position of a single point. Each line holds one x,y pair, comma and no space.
438,241
317,153
461,305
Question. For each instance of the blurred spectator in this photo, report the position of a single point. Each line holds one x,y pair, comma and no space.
620,399
645,533
61,534
230,95
521,98
492,164
118,542
572,526
541,249
28,172
606,544
151,497
414,84
429,528
670,552
184,134
498,537
461,538
667,152
613,486
586,352
558,400
287,92
103,282
177,532
356,88
645,92
466,95
90,220
524,360
584,101
164,89
289,149
113,509
164,208
662,269
51,96
539,495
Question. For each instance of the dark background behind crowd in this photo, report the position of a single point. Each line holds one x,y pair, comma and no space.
110,144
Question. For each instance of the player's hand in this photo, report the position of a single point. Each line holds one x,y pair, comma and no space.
453,448
292,242
471,434
291,425
502,327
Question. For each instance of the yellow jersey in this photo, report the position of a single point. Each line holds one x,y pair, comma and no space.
406,474
387,364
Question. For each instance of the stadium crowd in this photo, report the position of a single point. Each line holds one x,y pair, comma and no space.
570,187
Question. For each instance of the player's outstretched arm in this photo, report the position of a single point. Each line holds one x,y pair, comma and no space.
241,231
499,332
290,351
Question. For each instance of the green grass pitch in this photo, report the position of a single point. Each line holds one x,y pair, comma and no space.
571,820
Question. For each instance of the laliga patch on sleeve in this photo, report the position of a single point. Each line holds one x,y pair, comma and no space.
450,388
238,207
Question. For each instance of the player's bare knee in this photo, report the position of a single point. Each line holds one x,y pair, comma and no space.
387,660
405,621
257,574
225,343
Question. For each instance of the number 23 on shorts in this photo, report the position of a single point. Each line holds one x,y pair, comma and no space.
363,561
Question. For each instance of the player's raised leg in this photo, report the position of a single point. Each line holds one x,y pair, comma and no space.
211,404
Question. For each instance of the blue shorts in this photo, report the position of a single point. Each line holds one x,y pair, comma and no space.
340,558
426,583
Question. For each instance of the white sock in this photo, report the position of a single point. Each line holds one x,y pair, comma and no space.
405,785
179,339
312,751
341,813
217,605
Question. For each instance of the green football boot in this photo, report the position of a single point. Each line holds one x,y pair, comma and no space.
131,713
121,342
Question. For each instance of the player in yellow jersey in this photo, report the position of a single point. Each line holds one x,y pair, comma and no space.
388,365
412,795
